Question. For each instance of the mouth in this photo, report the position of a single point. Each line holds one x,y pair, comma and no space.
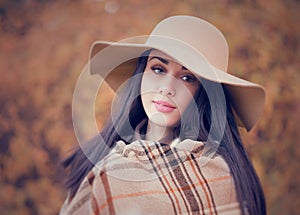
163,106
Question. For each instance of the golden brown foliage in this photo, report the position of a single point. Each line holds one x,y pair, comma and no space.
44,46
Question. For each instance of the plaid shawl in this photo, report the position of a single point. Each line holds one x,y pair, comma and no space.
148,177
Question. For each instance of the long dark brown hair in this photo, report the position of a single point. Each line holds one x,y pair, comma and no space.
220,125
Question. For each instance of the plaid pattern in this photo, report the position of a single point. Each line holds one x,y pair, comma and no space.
147,177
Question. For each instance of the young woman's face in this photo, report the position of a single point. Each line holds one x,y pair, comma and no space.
167,89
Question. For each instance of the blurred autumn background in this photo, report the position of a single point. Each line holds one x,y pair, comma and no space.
44,46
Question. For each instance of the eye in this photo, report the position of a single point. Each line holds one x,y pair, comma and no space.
189,78
158,69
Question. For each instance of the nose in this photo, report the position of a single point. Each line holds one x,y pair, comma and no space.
167,87
166,91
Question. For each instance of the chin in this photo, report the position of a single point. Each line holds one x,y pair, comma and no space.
165,123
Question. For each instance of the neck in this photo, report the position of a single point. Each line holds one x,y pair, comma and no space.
159,133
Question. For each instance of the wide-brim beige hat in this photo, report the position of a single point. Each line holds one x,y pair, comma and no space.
195,44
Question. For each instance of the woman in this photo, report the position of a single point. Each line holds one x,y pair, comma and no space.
172,144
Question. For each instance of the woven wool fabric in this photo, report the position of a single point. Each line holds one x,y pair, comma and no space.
147,177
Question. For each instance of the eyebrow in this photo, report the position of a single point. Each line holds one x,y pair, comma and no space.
164,61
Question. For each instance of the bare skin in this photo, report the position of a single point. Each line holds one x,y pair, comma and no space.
166,91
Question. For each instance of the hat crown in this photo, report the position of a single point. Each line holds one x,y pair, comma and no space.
199,34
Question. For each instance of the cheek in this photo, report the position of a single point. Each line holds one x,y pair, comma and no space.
148,83
149,87
146,100
184,97
146,89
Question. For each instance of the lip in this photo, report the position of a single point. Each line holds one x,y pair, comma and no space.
163,106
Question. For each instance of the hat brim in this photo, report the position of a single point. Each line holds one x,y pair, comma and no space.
116,61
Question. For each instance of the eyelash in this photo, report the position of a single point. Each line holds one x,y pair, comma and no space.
191,79
187,78
155,68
